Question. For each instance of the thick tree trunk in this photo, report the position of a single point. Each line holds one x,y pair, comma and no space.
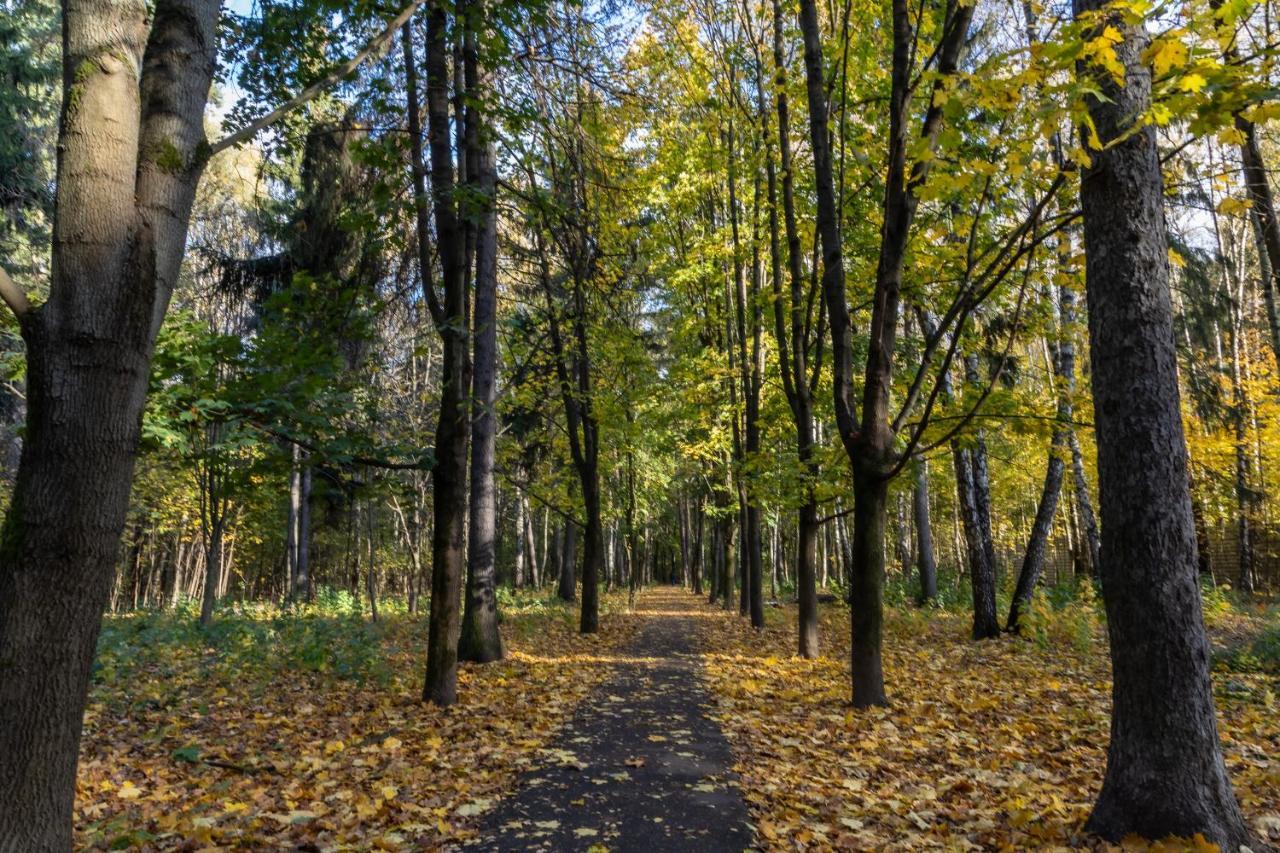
870,510
119,233
926,563
1165,773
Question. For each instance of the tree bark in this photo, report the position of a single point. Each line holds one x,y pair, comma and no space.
870,509
480,640
567,590
120,228
982,575
926,563
1165,773
449,475
1262,215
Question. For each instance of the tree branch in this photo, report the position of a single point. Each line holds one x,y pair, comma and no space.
372,49
13,296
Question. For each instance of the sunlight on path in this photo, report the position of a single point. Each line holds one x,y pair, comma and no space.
641,766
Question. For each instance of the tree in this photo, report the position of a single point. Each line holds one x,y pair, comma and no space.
449,314
131,152
131,149
1165,773
480,640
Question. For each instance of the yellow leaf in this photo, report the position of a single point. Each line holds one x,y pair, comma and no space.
1232,206
1166,54
1192,82
128,791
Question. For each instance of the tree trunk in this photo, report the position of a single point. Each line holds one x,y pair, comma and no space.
1266,227
291,523
449,475
1084,505
371,573
1038,541
518,578
982,574
480,640
568,559
119,232
792,359
304,535
870,509
926,563
1165,773
592,555
213,566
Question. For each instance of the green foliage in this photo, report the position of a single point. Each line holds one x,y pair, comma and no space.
330,638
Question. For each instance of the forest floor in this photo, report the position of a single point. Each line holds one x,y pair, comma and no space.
998,745
678,727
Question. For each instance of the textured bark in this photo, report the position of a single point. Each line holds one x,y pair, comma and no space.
982,574
870,509
449,475
480,640
1084,505
1165,773
982,495
926,563
119,233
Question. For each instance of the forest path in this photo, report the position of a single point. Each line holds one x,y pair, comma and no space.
642,766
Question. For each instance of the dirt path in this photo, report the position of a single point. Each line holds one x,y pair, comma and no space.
641,766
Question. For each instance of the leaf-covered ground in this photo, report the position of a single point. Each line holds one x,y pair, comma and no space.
997,745
277,732
306,731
